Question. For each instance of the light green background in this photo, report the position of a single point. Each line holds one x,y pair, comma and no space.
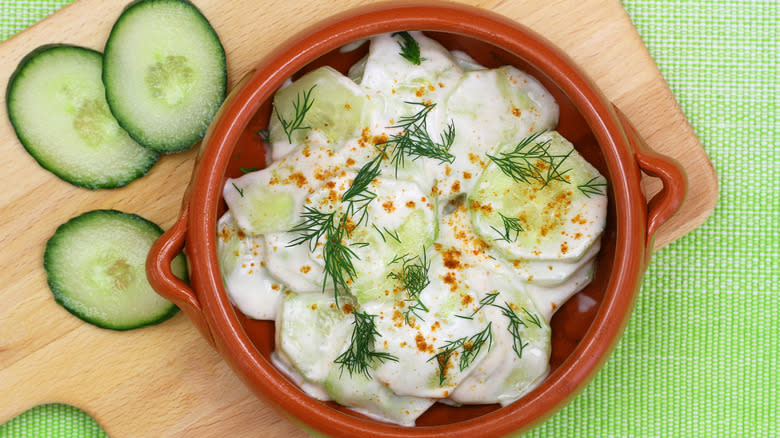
699,357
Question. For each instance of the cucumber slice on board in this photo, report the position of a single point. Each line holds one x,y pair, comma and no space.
57,106
165,73
95,267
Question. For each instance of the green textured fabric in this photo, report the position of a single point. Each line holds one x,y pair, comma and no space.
699,357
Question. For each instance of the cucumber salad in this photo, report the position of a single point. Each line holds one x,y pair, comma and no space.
416,230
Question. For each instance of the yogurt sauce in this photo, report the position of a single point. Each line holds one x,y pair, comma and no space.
450,268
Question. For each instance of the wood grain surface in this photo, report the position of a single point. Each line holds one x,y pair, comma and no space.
165,380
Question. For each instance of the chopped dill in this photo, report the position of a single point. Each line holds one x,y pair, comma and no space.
248,169
414,141
240,191
487,300
533,318
511,225
514,328
414,278
336,255
593,187
410,49
302,105
531,161
360,356
470,346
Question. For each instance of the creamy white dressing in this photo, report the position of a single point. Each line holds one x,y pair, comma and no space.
477,330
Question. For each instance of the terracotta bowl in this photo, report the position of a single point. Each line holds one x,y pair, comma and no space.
585,330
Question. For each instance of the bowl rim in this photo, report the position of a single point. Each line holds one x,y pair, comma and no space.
599,340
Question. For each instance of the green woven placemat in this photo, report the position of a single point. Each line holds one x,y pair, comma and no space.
699,357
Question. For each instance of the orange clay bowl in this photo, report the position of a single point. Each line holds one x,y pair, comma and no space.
584,331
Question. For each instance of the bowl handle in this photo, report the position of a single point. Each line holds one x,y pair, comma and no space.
162,279
668,201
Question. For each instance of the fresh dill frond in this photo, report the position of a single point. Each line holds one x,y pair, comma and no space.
393,235
358,196
248,169
531,161
368,173
593,187
336,254
473,346
511,225
360,355
414,141
470,346
487,300
444,355
414,278
514,329
533,318
239,190
410,49
314,225
337,258
302,104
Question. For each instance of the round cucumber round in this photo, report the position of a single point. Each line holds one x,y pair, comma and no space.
95,267
165,73
57,106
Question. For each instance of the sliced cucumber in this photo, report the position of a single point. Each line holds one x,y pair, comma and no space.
311,332
370,397
165,73
95,267
248,283
400,223
325,102
560,219
57,106
520,354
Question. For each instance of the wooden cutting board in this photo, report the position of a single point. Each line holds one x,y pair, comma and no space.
165,380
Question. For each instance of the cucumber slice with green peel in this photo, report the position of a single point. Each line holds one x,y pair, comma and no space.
539,200
370,397
322,101
520,354
248,283
95,267
165,73
311,332
57,106
400,223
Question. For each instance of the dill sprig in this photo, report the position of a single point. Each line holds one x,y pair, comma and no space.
360,355
515,323
336,255
239,190
410,49
314,225
470,346
473,346
593,187
414,278
337,258
414,141
511,225
302,105
358,196
393,235
533,318
531,161
487,300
